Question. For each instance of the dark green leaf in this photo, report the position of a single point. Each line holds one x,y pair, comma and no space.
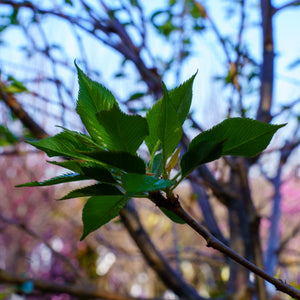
73,165
99,210
93,98
99,189
136,183
136,96
124,132
203,152
172,216
89,169
56,180
62,144
169,129
241,136
121,160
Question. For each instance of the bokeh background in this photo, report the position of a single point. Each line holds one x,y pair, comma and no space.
247,55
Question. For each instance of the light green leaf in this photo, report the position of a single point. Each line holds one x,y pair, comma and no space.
93,98
152,117
169,129
100,189
181,98
201,153
121,160
99,210
241,136
124,132
136,183
56,180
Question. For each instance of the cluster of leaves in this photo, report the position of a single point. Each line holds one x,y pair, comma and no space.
109,153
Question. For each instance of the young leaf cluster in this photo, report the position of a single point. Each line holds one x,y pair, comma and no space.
109,154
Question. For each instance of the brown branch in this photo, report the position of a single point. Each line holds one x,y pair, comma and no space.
83,292
11,101
267,67
158,263
173,205
286,5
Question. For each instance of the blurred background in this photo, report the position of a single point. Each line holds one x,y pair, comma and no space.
247,55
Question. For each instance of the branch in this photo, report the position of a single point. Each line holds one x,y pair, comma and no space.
286,5
173,205
267,67
83,292
11,101
35,235
170,277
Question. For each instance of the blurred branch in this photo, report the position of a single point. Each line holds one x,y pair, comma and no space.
11,101
25,228
286,5
170,277
83,292
205,14
267,67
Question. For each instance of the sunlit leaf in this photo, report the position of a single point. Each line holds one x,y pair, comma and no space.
63,144
181,98
123,132
169,129
93,98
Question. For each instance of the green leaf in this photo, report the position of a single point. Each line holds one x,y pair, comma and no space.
99,189
93,98
152,117
157,166
169,129
73,165
6,136
56,180
89,169
172,216
62,144
121,160
241,136
181,98
201,153
123,132
136,183
99,210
